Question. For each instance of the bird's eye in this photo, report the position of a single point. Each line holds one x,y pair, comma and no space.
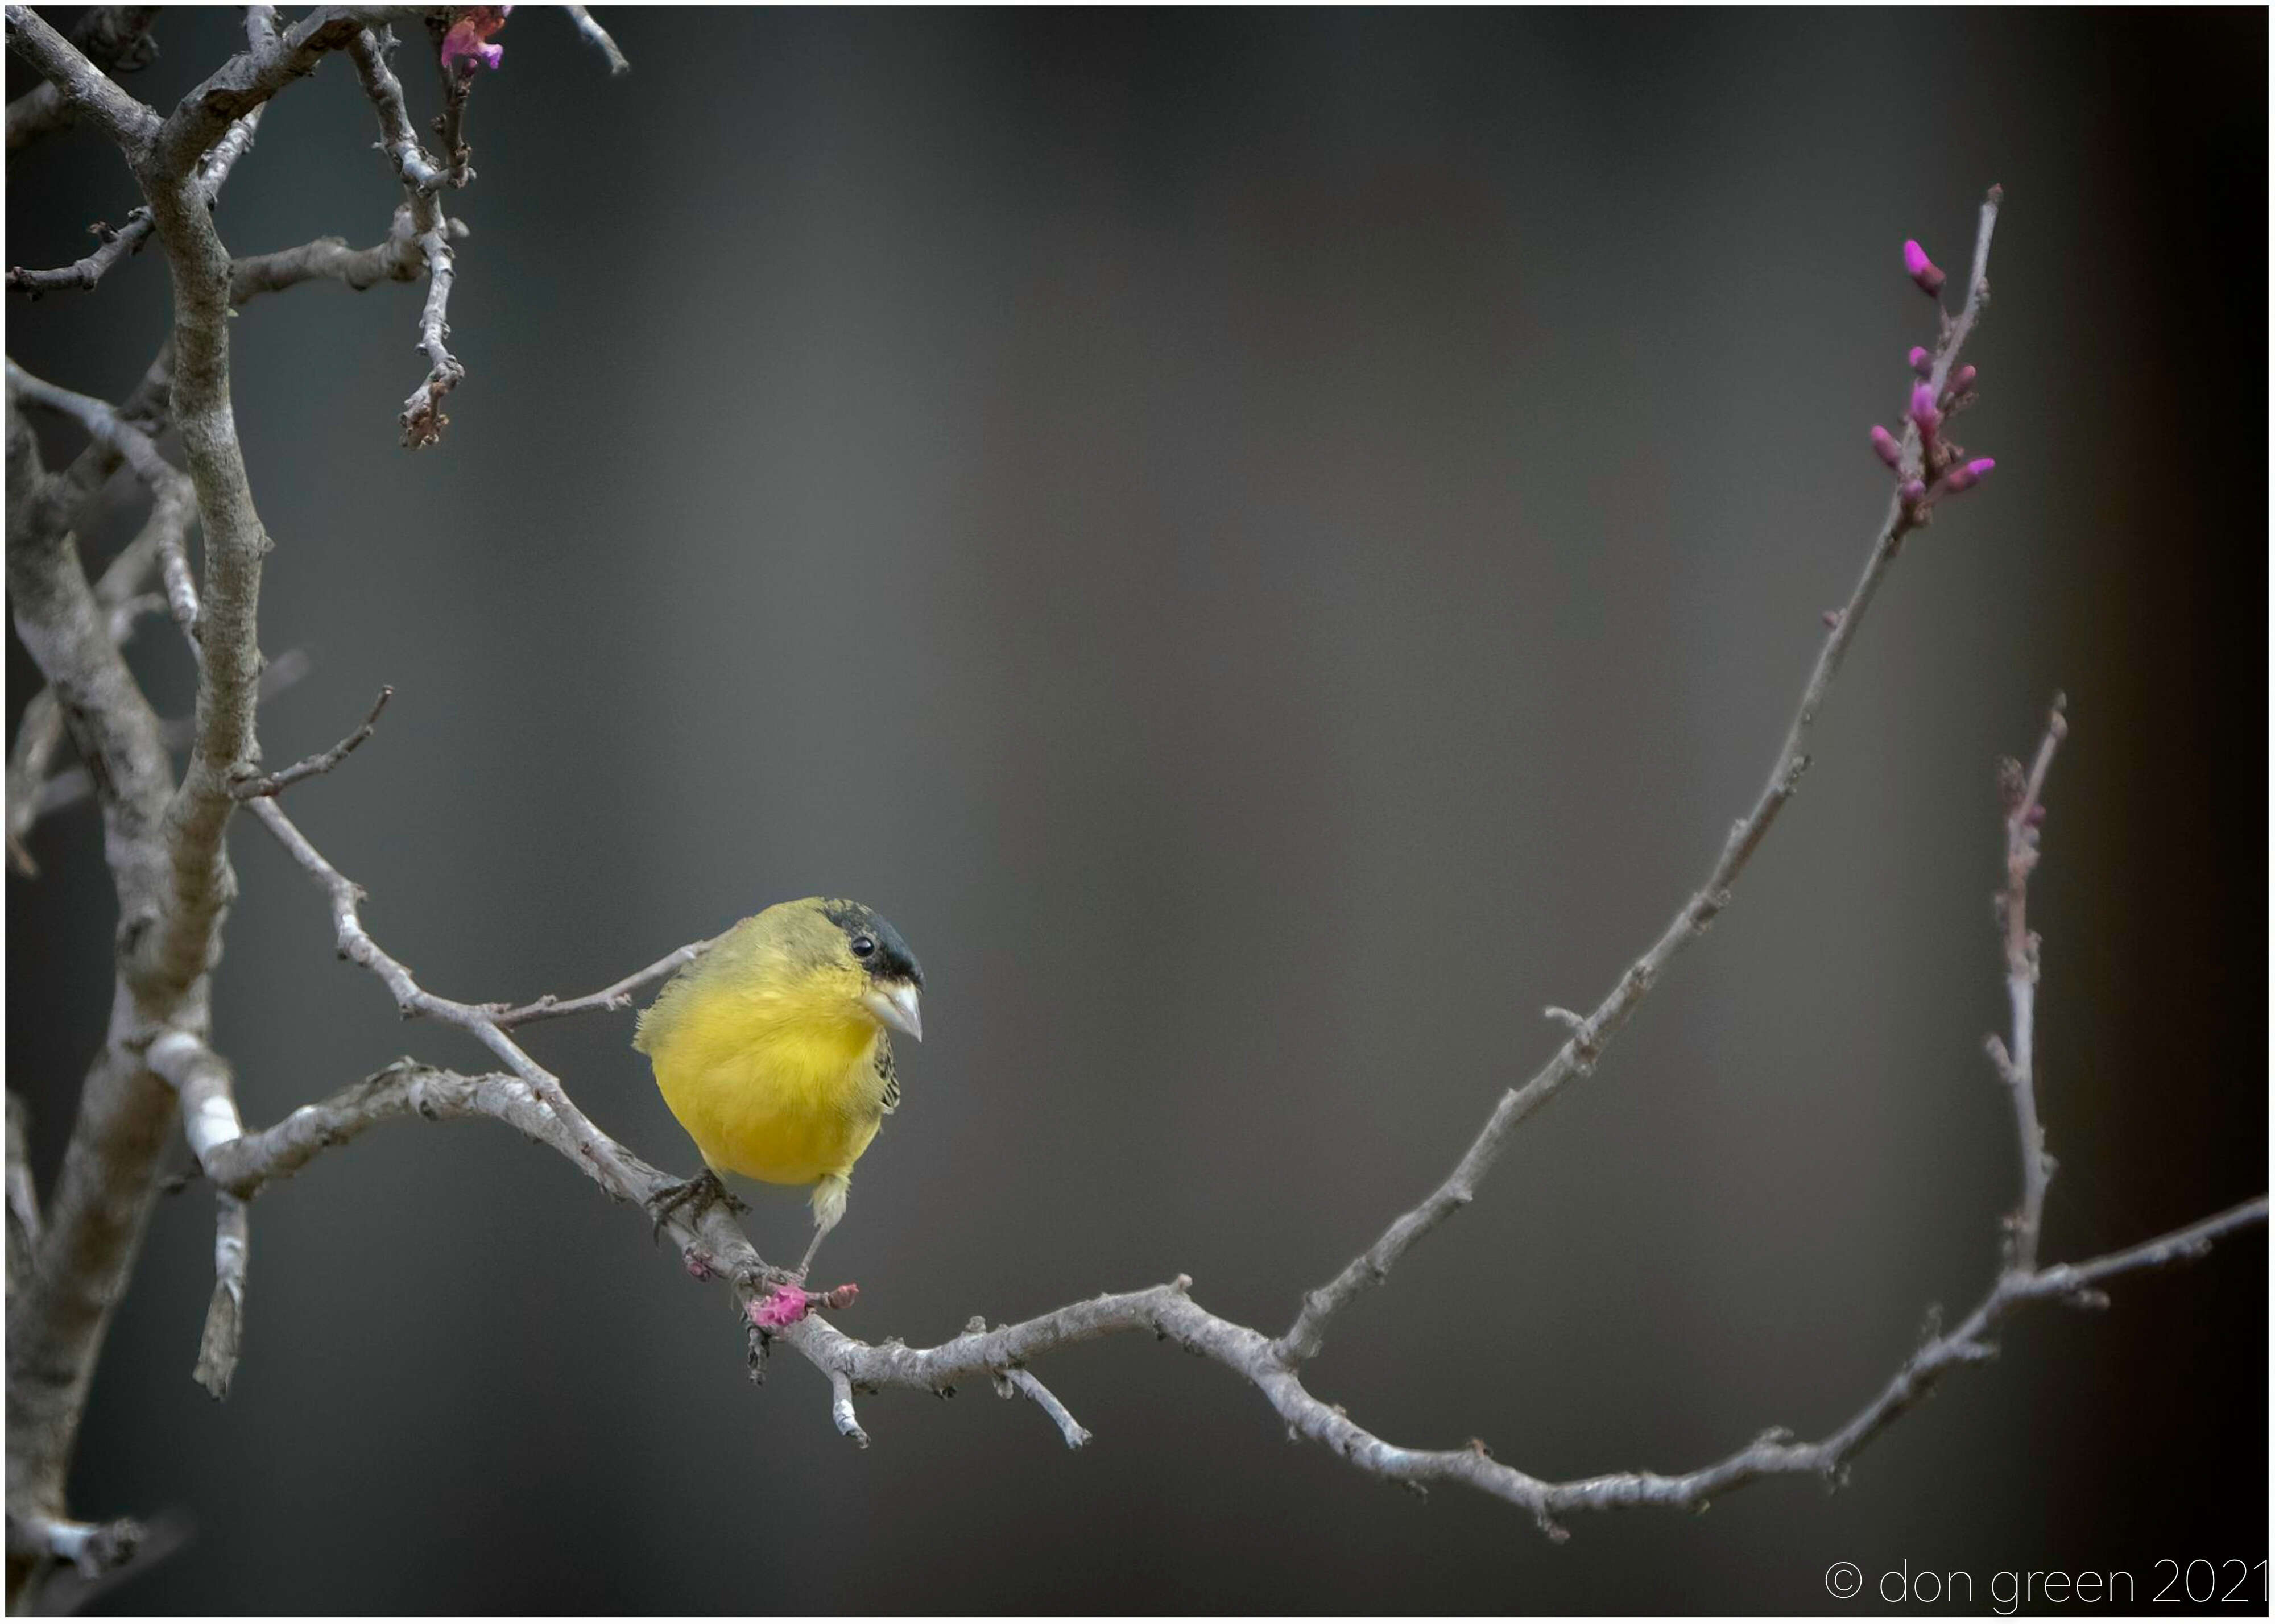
864,946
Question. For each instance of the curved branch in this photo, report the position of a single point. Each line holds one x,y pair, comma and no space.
1593,1035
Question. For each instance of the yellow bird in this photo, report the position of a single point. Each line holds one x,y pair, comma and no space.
773,1050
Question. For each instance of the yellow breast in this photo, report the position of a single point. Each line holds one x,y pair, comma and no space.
770,1085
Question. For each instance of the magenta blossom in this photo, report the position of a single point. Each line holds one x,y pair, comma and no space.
1883,444
1913,492
1962,381
785,1305
466,47
1921,270
1923,363
782,1307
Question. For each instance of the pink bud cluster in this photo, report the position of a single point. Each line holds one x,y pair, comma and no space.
1942,470
466,45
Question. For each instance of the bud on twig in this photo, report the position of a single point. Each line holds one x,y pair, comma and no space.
1921,270
1925,414
1966,477
1923,363
1883,444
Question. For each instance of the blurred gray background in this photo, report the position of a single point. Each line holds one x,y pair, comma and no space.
1273,545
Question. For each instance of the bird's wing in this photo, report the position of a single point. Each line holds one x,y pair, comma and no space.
890,1100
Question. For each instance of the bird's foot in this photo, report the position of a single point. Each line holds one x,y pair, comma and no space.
701,1193
785,1305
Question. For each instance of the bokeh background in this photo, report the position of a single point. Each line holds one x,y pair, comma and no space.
1272,544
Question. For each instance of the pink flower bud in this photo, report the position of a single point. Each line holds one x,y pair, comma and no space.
1962,381
1921,270
1967,476
464,47
1925,411
1885,444
783,1306
1923,363
1913,492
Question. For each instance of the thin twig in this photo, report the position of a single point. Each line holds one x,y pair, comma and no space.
599,36
82,274
2015,1059
1073,1432
840,1409
420,173
323,761
423,419
224,1333
615,995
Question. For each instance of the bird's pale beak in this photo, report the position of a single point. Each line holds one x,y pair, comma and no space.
894,1003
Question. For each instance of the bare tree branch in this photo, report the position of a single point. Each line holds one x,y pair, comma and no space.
356,943
23,1196
114,38
102,1195
58,506
323,761
420,173
163,843
329,259
2015,1059
598,35
1023,1381
615,995
1590,1036
173,502
82,274
224,1333
94,1548
163,846
242,1163
166,851
74,785
252,77
82,86
423,418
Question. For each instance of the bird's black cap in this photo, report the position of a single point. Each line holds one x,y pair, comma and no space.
892,961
